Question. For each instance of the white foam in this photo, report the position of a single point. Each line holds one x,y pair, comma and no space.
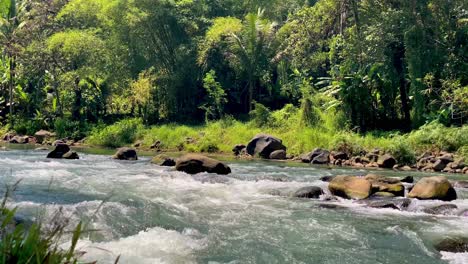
455,258
156,245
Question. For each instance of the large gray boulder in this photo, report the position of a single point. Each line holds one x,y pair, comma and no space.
196,163
316,156
263,145
125,154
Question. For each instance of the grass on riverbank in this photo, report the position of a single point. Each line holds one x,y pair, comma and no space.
222,135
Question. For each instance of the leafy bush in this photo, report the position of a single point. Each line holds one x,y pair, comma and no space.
117,135
26,126
67,128
402,152
261,115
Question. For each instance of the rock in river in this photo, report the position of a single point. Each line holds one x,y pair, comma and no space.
195,163
263,145
125,154
62,151
455,245
312,192
350,187
433,188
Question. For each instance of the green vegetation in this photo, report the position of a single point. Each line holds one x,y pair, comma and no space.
23,244
222,135
204,75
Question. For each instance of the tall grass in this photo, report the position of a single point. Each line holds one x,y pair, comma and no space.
23,244
330,132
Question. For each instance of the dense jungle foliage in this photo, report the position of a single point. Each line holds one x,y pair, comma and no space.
68,65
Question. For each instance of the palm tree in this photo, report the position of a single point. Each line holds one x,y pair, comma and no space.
248,44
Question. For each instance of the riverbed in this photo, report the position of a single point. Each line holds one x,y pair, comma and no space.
150,214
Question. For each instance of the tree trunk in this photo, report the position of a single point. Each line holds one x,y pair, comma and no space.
11,85
76,113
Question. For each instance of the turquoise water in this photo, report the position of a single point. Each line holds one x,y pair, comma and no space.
152,214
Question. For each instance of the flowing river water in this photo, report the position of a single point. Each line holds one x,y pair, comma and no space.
151,214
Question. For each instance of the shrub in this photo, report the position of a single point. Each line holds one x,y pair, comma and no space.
260,116
27,126
64,128
117,135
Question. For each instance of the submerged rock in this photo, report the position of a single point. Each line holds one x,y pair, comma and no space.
263,145
311,192
386,185
237,149
163,160
455,245
196,163
433,188
125,154
350,187
407,179
394,203
327,178
443,209
71,155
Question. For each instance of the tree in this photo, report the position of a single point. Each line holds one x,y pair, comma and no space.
247,45
215,97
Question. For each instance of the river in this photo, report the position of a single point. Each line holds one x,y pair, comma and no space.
151,214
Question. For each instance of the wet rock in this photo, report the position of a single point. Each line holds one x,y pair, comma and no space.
386,161
433,188
263,145
20,140
278,155
43,135
59,142
311,192
327,178
138,144
446,158
71,155
322,158
386,185
125,154
350,187
383,194
407,179
163,160
59,151
444,209
393,203
307,158
439,165
237,149
195,163
455,245
339,155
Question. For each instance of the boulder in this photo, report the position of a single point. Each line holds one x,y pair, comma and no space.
433,188
322,158
19,140
327,178
407,179
8,136
386,185
439,165
125,154
386,161
138,144
446,158
455,245
42,135
195,163
278,155
59,151
263,145
351,187
237,149
163,160
311,192
339,155
309,157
